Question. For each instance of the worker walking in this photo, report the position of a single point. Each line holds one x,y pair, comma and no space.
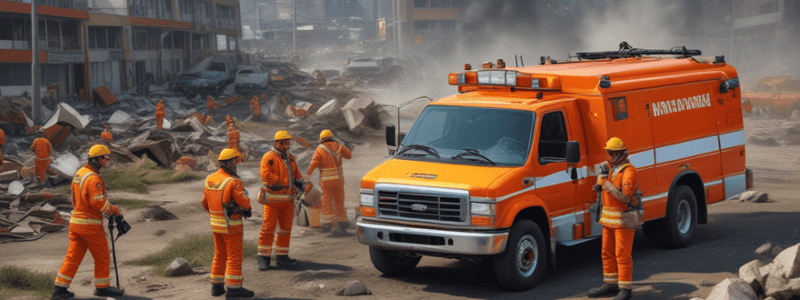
2,142
225,199
233,136
86,228
41,146
160,113
328,158
618,192
255,108
280,176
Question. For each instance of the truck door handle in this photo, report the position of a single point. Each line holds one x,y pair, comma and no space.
527,181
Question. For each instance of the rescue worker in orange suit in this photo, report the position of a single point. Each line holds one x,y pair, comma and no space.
233,137
41,146
2,141
106,135
86,228
210,103
280,176
255,108
328,158
226,201
160,114
617,192
228,120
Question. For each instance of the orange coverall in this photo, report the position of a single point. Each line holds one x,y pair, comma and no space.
617,239
210,104
279,205
233,138
220,190
86,228
255,108
106,135
2,141
160,115
42,148
328,158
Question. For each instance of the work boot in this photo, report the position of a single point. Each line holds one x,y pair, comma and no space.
341,230
109,292
607,290
60,292
325,227
624,294
284,260
239,293
263,263
217,289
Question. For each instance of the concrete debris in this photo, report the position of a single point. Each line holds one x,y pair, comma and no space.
761,139
157,213
104,96
66,114
751,274
66,165
187,161
354,288
312,287
119,117
732,289
754,197
179,267
328,108
9,175
16,187
789,263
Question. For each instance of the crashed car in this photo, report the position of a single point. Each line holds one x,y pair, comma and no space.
209,77
377,70
251,79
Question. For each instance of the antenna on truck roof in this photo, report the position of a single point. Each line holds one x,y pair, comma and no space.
625,50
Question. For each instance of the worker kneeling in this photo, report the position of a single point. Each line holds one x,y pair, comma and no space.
225,200
86,228
280,176
617,196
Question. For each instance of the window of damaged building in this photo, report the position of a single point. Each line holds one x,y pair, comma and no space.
226,16
156,9
53,34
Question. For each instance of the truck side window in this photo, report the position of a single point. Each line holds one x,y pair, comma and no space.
552,138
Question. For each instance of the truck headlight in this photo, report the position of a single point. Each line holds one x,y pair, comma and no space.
481,208
366,200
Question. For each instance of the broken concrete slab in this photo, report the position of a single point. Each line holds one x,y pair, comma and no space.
104,96
66,114
23,229
179,267
66,165
732,289
56,134
329,107
119,117
191,124
9,176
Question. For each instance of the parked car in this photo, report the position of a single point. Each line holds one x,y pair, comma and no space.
377,70
251,78
209,76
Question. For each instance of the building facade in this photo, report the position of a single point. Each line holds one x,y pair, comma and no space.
116,43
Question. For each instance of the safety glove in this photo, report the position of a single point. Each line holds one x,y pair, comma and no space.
122,226
247,213
300,184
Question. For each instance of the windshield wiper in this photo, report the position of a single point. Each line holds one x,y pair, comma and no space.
425,148
472,152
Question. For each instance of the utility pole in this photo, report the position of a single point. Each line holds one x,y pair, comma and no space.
36,101
294,27
399,28
733,23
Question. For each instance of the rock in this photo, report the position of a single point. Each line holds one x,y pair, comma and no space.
185,160
761,139
765,270
697,298
777,288
750,273
119,117
66,165
770,298
312,287
23,229
732,289
160,232
179,267
754,197
789,262
15,187
795,115
157,213
354,288
764,249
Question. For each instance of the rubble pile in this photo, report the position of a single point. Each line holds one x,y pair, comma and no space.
28,215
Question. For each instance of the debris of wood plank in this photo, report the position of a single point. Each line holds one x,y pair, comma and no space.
104,96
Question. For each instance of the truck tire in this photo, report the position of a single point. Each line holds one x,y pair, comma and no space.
678,227
390,264
524,261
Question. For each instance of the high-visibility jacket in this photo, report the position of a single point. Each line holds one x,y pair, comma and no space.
255,108
42,147
328,158
89,198
220,193
233,139
281,169
625,180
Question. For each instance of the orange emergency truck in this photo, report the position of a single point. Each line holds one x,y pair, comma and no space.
504,169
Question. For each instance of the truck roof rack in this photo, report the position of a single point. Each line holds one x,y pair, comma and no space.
625,50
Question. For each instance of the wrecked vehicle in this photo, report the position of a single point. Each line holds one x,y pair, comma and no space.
778,94
251,78
209,77
377,70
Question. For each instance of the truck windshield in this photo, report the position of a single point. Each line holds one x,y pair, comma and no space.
501,135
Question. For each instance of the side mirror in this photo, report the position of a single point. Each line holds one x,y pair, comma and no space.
390,131
573,152
400,137
728,84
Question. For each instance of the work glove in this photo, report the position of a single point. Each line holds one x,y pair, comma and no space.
604,171
122,226
597,188
275,187
247,213
300,184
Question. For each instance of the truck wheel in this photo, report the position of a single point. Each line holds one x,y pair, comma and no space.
524,261
391,264
678,228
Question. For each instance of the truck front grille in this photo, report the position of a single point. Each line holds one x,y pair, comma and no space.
406,205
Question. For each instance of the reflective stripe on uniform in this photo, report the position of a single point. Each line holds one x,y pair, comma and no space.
85,221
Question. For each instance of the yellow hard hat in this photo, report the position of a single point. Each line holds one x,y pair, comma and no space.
228,153
282,135
615,144
325,134
98,150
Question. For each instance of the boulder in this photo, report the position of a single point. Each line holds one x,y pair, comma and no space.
777,288
789,262
754,197
312,287
179,267
157,213
732,289
354,288
761,139
764,249
750,273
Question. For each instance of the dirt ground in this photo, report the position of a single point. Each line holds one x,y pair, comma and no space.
734,231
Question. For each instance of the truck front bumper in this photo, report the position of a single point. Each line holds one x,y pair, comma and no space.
398,237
